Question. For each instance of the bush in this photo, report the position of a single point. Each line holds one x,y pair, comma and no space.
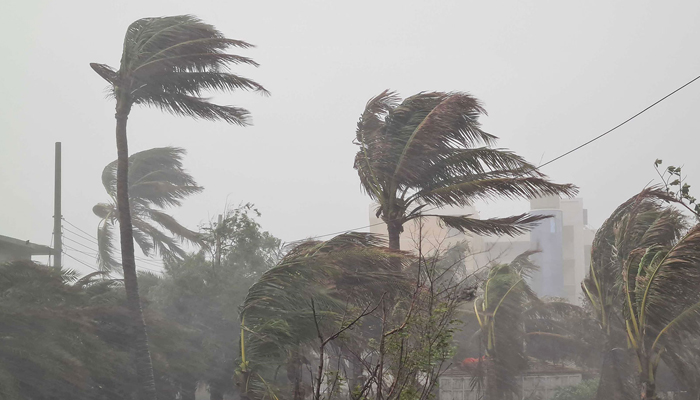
585,390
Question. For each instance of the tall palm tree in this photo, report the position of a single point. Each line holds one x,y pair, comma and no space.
429,151
642,283
168,63
156,181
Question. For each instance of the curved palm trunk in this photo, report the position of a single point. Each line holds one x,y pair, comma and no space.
144,368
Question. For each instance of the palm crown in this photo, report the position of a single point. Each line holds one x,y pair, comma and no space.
168,62
156,181
430,150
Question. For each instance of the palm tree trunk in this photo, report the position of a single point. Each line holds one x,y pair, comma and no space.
394,230
144,368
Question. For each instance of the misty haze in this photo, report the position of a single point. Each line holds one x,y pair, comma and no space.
311,200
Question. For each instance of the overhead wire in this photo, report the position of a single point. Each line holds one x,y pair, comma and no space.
90,238
153,263
546,163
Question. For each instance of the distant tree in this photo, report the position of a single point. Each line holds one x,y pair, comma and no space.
199,295
167,63
429,151
156,181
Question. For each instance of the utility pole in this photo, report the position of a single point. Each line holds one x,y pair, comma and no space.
218,243
57,238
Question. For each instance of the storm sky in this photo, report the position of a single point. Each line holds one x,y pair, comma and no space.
551,74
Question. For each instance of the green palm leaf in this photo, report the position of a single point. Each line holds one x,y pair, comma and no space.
429,149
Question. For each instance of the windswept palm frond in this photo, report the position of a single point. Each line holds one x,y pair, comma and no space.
511,226
644,272
430,149
171,62
339,275
157,179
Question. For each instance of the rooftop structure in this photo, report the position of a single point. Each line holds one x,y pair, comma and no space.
12,249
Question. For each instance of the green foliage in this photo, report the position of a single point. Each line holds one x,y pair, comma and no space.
429,151
64,337
674,182
157,181
171,62
206,299
586,390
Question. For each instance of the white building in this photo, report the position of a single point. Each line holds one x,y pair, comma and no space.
564,244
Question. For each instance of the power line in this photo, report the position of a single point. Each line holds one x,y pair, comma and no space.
90,239
93,240
69,223
622,123
149,262
80,251
548,162
84,263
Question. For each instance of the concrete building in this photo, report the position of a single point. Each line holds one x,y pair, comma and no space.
12,249
428,231
540,382
564,244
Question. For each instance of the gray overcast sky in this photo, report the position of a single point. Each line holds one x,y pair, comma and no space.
552,74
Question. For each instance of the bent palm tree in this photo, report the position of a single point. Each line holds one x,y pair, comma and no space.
430,150
166,63
344,273
642,284
156,179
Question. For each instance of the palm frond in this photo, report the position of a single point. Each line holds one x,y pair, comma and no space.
105,246
192,106
511,226
168,62
179,231
490,186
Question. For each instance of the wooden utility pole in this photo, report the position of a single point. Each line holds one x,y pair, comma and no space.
57,239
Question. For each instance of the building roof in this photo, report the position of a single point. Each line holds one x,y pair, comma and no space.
535,367
25,246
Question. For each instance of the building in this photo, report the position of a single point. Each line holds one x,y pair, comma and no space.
541,381
563,243
433,235
12,249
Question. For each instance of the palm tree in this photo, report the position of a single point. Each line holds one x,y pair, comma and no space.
344,273
643,286
430,151
156,181
167,63
499,311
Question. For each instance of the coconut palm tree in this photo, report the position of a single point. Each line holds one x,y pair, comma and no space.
429,151
642,284
500,310
344,273
167,63
156,181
